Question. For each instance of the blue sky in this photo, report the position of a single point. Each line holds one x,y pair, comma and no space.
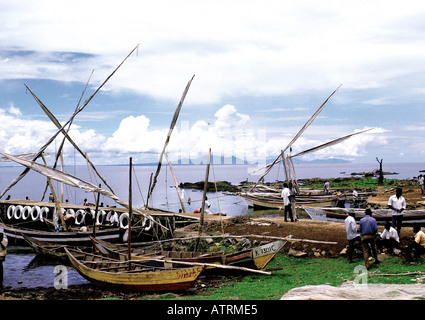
261,68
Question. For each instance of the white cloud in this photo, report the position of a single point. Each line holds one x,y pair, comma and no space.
15,111
234,48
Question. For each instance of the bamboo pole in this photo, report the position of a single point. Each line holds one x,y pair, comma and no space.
218,201
175,182
284,166
147,199
295,175
41,150
201,221
95,214
130,209
58,207
221,266
61,162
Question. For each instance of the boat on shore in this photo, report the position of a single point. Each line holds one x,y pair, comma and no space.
16,235
47,249
120,252
35,219
131,275
381,215
256,258
273,201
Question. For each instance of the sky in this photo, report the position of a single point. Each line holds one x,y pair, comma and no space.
261,69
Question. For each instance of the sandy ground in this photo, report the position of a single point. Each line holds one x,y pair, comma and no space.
414,198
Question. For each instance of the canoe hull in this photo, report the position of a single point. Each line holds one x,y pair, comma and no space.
16,238
164,280
255,258
381,215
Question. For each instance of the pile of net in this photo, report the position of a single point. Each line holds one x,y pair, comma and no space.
353,291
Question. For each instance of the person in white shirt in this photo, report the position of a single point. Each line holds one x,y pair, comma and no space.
287,204
352,235
207,206
397,204
389,239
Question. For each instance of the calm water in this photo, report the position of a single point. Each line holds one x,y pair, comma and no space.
26,271
165,195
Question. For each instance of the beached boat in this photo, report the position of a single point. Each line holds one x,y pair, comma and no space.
381,215
35,219
120,252
47,249
256,258
131,275
267,201
15,236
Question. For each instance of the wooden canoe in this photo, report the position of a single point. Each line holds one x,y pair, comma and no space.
52,250
131,275
15,236
120,252
256,258
381,215
46,249
273,203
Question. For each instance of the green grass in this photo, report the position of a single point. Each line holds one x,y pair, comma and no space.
298,272
352,182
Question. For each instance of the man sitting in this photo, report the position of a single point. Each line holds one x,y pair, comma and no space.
388,239
417,244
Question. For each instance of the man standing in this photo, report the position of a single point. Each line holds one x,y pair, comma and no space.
292,194
286,202
397,204
352,235
368,228
421,183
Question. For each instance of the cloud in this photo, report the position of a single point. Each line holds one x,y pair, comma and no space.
235,48
15,111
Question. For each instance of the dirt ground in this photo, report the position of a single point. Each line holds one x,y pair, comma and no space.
329,238
414,198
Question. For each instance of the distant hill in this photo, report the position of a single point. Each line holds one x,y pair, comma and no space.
237,161
322,161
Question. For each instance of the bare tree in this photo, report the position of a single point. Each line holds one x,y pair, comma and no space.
381,174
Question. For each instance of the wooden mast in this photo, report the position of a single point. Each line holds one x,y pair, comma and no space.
175,182
130,209
201,221
58,207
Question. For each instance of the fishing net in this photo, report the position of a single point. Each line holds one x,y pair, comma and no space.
352,291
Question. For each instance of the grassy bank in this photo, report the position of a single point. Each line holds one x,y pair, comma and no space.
352,182
298,272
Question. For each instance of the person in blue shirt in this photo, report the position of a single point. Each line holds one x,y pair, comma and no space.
368,228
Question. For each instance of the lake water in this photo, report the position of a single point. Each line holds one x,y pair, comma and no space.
24,271
165,195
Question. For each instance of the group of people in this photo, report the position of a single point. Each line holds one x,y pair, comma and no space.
367,233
